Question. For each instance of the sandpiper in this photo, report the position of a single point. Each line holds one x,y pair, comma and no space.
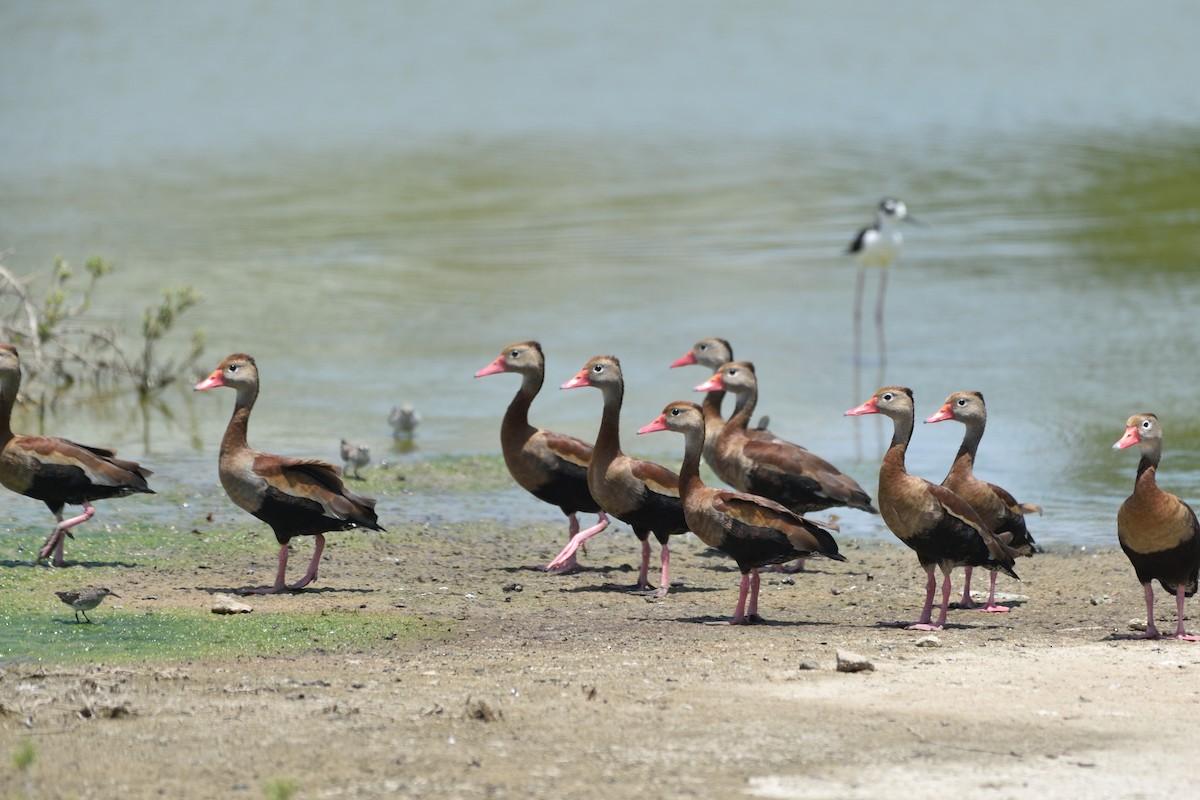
356,456
404,420
84,599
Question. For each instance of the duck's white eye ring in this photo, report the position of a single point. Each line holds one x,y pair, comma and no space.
1146,424
887,396
962,401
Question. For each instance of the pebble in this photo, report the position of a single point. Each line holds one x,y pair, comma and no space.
852,662
224,604
929,641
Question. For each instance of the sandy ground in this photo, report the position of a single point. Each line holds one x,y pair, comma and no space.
549,686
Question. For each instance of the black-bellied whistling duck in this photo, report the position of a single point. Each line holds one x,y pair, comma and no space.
772,467
998,509
295,496
939,525
550,466
58,471
640,493
782,471
752,530
713,352
1158,531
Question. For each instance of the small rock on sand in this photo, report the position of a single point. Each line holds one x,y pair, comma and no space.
852,662
225,604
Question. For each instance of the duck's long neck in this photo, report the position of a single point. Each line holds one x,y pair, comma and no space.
746,402
689,471
516,418
711,406
235,432
608,440
1148,464
965,459
714,423
893,459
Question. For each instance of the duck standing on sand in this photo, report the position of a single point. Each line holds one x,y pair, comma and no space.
941,527
295,496
752,530
58,471
550,466
999,509
640,493
1158,531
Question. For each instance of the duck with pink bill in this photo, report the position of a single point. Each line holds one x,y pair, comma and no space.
294,496
753,531
941,527
553,467
999,509
640,493
1158,531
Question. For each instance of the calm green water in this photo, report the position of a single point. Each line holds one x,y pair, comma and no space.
375,197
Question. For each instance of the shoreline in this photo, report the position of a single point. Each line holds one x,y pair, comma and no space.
562,686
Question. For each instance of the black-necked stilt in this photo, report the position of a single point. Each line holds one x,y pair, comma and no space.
877,245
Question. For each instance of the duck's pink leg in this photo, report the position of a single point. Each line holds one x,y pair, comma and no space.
924,623
313,565
1151,631
643,581
570,564
279,575
664,581
752,611
61,530
565,561
1181,632
991,606
739,613
966,601
945,597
